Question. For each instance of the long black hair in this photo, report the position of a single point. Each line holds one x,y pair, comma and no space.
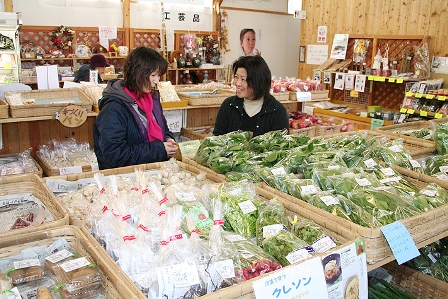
258,74
139,65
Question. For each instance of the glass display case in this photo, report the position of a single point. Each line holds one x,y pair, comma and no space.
10,66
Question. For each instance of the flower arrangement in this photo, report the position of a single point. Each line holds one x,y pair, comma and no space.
62,37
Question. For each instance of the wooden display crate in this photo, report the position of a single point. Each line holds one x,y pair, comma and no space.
113,287
31,183
48,171
281,96
327,130
308,131
204,97
60,97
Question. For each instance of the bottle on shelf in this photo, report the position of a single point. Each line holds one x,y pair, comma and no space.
181,62
188,63
196,61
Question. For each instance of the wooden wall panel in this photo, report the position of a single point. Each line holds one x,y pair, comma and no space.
374,17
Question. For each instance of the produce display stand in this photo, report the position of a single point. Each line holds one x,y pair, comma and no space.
416,283
31,183
340,235
113,287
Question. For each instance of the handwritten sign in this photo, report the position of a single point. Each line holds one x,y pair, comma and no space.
316,54
174,120
108,32
72,116
70,170
305,280
400,242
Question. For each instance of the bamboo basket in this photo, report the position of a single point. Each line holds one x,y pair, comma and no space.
4,109
281,96
38,172
416,283
41,107
113,287
217,177
327,130
203,97
315,95
417,147
424,228
308,131
48,171
31,183
340,234
195,133
415,125
210,176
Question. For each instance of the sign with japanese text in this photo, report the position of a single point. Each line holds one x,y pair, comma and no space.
174,120
400,242
72,116
108,32
304,280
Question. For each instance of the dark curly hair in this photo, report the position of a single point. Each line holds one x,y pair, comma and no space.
139,65
258,74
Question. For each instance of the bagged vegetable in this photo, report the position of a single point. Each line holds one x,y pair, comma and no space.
329,202
345,183
313,234
436,164
271,219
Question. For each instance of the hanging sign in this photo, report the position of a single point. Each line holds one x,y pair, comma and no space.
400,242
72,116
339,47
304,280
173,120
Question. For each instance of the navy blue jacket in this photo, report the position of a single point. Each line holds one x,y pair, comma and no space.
83,74
272,117
120,137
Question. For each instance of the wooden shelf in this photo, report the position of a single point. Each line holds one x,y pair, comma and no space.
36,118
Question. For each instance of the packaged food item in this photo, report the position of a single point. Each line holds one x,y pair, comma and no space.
5,282
77,273
43,293
57,258
91,291
25,271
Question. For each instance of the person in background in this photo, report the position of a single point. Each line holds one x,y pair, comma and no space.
130,127
248,41
96,62
253,108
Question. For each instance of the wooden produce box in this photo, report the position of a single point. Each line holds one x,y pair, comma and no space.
308,131
38,172
4,109
424,228
315,95
210,176
416,283
31,183
48,101
196,133
48,171
396,129
281,96
204,97
339,234
327,130
112,287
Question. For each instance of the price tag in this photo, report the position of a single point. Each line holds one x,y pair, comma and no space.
303,96
26,263
388,171
443,168
395,148
59,256
363,182
272,230
323,244
411,111
430,193
400,242
403,110
185,196
278,171
414,163
377,78
7,66
409,94
418,95
438,115
370,163
70,170
370,78
75,264
376,123
225,268
309,273
184,275
307,190
299,254
430,96
391,80
390,180
400,80
423,113
247,206
442,177
382,79
329,200
94,166
441,98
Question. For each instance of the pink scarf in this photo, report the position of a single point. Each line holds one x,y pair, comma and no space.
146,104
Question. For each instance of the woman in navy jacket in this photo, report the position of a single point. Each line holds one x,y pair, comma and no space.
131,128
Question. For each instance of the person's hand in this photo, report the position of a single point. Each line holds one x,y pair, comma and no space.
170,147
257,52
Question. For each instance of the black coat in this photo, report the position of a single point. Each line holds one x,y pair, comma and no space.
272,117
83,74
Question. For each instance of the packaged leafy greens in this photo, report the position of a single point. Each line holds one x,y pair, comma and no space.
271,219
389,177
436,164
345,183
441,139
435,195
329,202
313,234
320,175
276,140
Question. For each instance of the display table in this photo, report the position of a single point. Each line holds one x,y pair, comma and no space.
359,123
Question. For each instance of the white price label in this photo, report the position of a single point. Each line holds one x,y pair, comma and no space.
3,171
414,163
247,206
225,268
390,180
184,275
329,200
70,170
331,167
323,244
307,190
59,256
395,148
388,171
430,193
432,258
298,255
442,177
363,182
443,168
69,266
278,171
185,196
370,163
272,230
26,263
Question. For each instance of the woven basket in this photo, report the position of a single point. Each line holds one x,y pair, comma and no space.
48,171
195,133
340,234
308,131
4,109
31,183
210,176
41,108
113,288
418,148
199,97
315,95
38,172
281,96
424,228
415,125
327,130
416,283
